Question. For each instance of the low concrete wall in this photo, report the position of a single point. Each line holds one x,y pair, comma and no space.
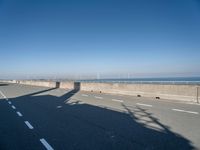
8,81
174,92
67,85
38,83
63,85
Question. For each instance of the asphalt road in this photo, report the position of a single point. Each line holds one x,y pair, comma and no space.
48,118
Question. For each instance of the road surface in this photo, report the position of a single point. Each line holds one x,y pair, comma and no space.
49,118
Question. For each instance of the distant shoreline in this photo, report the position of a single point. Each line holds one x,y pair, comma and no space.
170,80
163,80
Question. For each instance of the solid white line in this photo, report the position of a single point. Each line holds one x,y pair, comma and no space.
117,100
9,102
144,104
85,95
191,112
46,145
19,114
98,97
13,107
28,124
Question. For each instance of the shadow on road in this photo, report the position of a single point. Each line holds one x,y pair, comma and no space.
77,126
3,84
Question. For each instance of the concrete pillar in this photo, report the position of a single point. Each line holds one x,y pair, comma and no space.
57,84
77,86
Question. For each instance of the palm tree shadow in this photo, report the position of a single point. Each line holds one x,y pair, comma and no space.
166,140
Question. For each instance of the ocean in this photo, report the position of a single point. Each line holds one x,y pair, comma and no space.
169,80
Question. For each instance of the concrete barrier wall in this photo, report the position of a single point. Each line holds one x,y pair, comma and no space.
63,85
38,83
174,92
8,81
67,85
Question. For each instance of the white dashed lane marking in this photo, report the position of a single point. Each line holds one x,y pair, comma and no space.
117,100
141,104
185,111
28,124
19,114
97,97
43,141
46,145
84,95
13,107
81,102
59,107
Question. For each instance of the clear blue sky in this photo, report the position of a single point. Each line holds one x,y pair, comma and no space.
106,37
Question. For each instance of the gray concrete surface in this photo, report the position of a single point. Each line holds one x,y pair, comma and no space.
72,119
